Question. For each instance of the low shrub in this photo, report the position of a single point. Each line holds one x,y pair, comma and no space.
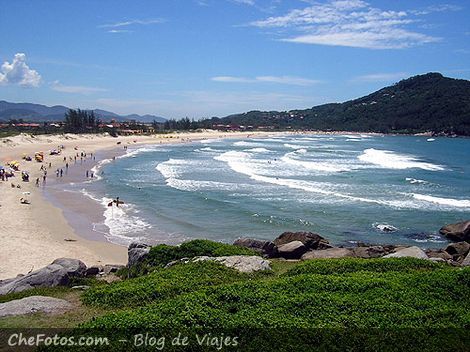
350,265
162,284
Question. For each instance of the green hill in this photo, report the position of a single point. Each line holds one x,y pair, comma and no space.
429,102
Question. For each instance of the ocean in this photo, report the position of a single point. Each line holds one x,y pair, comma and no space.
345,187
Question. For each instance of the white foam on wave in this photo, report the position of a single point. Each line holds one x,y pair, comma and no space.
247,144
294,146
240,163
96,169
209,141
171,168
206,149
391,160
455,203
414,181
257,150
290,158
132,153
122,223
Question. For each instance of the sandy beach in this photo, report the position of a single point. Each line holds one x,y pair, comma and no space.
33,235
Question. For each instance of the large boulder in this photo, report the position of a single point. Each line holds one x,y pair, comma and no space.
242,263
457,232
310,240
59,273
34,304
369,252
74,267
137,253
458,250
329,253
267,248
438,253
413,252
292,250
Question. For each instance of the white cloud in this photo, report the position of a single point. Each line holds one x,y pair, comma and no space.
437,8
133,22
18,72
245,2
288,80
57,86
351,23
381,77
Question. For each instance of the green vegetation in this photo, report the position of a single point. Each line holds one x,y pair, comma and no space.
163,284
320,301
395,304
162,254
428,102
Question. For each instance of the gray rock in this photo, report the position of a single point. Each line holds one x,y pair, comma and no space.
112,268
136,253
58,273
138,245
267,248
93,271
457,232
414,252
34,304
438,254
74,267
466,261
310,240
329,253
368,252
242,263
459,249
437,259
292,250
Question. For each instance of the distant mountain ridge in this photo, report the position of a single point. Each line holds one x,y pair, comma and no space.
38,112
429,102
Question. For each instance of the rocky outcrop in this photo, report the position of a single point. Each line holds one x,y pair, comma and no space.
413,252
292,250
137,253
439,253
310,240
458,250
266,248
457,232
34,304
58,273
328,253
242,263
369,252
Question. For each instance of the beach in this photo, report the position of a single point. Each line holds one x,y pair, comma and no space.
33,235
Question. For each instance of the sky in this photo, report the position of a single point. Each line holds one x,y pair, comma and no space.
204,58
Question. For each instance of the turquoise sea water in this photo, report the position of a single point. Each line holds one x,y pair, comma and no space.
341,186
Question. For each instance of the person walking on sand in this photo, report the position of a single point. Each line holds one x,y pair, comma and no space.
44,179
87,173
61,172
37,182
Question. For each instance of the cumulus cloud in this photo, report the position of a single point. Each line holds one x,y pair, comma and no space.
288,80
59,87
18,72
352,23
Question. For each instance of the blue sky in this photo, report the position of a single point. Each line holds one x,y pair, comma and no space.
201,58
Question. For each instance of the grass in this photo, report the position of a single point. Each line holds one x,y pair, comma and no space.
352,304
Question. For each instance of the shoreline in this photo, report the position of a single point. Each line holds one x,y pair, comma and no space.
33,235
